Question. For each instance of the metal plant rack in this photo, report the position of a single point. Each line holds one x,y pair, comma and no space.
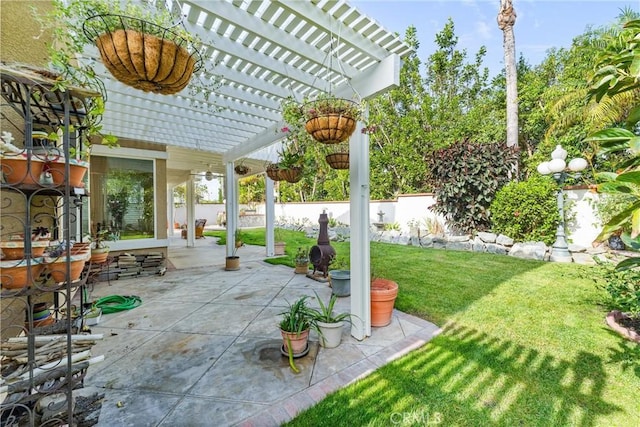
28,99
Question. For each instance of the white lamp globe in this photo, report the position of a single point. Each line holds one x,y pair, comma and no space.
559,153
543,168
556,165
578,164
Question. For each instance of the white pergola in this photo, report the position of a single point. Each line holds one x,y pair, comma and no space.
264,52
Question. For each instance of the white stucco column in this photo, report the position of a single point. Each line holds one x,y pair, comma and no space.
269,216
231,206
191,213
359,218
170,210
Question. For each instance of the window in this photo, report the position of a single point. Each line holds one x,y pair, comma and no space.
122,196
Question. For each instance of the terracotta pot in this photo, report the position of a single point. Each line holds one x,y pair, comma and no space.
80,248
58,270
17,276
232,263
17,170
146,62
14,249
338,160
331,128
99,256
298,342
278,248
77,171
383,296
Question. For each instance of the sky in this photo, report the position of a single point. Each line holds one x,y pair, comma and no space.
540,24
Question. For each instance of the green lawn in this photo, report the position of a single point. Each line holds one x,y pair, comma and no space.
523,344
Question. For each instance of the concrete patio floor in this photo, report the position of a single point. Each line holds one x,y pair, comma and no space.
203,349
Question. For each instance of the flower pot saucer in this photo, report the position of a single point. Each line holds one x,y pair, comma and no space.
295,356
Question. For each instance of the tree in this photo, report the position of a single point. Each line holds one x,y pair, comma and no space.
506,21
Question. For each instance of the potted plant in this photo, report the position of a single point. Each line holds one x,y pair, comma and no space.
329,324
232,263
99,247
339,158
340,277
290,163
279,245
331,120
295,324
301,260
142,45
241,168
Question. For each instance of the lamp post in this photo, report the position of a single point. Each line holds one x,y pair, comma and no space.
560,170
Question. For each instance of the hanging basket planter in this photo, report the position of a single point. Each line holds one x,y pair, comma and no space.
292,174
331,120
242,169
143,55
338,160
273,172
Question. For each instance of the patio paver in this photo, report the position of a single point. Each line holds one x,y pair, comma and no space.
203,348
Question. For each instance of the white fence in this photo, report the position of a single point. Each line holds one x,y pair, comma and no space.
403,211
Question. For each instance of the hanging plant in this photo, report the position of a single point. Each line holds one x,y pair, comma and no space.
241,168
142,45
338,158
331,120
272,171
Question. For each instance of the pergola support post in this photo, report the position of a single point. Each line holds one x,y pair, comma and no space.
191,213
231,207
359,216
270,213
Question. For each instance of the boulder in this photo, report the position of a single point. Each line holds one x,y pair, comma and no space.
529,250
463,238
459,246
487,237
504,240
494,248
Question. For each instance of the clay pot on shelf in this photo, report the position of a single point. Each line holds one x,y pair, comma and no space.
18,170
15,275
77,171
14,249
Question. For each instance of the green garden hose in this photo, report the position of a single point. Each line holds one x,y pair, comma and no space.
116,303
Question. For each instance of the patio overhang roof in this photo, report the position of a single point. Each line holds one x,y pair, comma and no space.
264,52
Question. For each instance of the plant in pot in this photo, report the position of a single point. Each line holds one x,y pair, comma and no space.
99,246
328,324
290,162
331,120
232,263
301,260
279,245
340,276
294,325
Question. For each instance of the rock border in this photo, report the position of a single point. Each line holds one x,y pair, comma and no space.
612,320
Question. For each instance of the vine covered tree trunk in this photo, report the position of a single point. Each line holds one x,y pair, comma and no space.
506,21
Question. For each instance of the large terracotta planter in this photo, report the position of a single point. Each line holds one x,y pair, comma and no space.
298,342
58,268
17,170
332,128
383,297
146,62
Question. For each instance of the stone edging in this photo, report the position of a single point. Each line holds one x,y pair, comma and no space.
612,320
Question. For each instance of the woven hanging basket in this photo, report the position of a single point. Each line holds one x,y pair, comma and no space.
338,160
146,62
292,174
241,169
332,128
273,172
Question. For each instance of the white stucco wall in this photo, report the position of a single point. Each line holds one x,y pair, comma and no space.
405,209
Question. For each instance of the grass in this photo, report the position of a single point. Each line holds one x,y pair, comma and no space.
523,343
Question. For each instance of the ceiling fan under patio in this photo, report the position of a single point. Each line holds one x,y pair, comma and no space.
208,175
